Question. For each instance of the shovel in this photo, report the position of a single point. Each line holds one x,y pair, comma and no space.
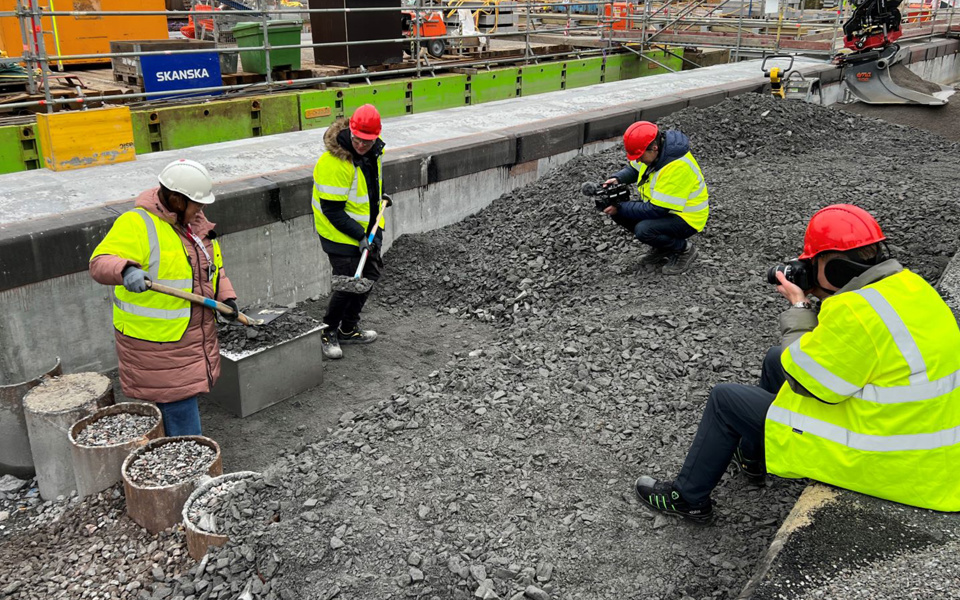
260,317
358,284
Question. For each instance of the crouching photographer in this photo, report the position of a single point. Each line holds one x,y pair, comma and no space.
673,195
863,395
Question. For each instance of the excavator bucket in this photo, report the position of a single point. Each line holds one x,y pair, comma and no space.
878,78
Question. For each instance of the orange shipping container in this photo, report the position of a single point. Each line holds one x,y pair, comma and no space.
85,34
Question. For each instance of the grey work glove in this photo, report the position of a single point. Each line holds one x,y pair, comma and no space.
232,303
134,279
365,245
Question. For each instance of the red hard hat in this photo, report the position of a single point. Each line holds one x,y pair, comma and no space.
840,227
365,122
638,137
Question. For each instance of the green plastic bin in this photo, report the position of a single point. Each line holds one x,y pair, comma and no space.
282,33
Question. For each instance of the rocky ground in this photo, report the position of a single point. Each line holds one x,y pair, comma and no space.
507,471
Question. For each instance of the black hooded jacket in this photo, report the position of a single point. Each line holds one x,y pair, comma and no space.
337,141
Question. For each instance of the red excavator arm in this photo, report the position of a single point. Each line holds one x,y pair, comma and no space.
874,24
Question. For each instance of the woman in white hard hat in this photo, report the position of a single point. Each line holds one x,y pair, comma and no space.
167,347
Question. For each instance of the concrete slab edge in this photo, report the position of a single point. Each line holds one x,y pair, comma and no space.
41,249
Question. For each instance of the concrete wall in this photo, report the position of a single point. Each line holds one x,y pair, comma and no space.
51,307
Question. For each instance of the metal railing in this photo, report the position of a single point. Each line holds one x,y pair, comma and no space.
614,24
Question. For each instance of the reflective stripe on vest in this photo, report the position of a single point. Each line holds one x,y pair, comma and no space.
331,170
860,441
152,316
877,424
153,269
678,203
920,387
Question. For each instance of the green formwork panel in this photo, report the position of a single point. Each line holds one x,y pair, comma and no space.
648,67
538,79
583,72
319,109
613,64
19,148
209,123
279,113
389,98
489,86
141,131
437,93
630,68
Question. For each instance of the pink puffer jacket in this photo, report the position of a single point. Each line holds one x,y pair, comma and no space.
170,371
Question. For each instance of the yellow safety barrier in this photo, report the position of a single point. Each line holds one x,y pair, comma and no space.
80,139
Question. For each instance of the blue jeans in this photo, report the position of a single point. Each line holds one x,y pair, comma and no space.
181,417
654,225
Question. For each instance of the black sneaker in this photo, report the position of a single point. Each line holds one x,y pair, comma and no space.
330,345
680,262
754,470
356,336
661,497
655,256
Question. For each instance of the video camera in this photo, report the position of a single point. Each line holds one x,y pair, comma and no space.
612,195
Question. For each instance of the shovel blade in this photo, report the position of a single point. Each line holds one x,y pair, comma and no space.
352,285
262,316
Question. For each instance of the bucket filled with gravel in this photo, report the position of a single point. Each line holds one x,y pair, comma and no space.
159,477
102,441
221,507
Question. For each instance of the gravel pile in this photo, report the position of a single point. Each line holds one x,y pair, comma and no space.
115,429
171,463
508,472
513,465
232,507
236,338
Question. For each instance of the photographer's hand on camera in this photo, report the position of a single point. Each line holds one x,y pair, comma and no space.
789,290
611,181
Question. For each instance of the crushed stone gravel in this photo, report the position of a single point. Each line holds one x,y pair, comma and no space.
174,462
236,338
115,429
508,472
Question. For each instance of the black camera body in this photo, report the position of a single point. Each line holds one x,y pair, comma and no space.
604,197
801,273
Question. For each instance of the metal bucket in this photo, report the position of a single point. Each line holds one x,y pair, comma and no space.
157,508
198,540
15,456
98,467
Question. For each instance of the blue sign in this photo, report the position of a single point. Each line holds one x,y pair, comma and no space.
179,73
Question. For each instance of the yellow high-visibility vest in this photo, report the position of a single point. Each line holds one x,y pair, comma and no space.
885,361
341,181
679,186
141,236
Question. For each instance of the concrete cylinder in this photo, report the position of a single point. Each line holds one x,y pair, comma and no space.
50,410
15,456
98,467
157,508
198,540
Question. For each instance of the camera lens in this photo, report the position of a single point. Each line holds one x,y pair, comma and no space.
772,273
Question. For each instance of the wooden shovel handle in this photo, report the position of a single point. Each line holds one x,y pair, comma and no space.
201,300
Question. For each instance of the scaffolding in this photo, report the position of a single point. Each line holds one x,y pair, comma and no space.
738,28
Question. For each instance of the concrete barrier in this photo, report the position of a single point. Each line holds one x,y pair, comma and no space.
271,251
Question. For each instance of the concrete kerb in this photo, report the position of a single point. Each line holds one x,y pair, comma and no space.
294,191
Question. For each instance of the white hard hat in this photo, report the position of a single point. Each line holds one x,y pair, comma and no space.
190,178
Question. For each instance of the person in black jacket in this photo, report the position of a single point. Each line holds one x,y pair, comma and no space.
346,205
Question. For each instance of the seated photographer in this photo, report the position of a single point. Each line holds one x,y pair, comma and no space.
673,195
867,397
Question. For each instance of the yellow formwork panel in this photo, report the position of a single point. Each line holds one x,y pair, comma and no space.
79,139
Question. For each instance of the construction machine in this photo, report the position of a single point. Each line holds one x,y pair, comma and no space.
871,69
428,26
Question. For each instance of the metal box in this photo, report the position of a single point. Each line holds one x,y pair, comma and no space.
251,382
